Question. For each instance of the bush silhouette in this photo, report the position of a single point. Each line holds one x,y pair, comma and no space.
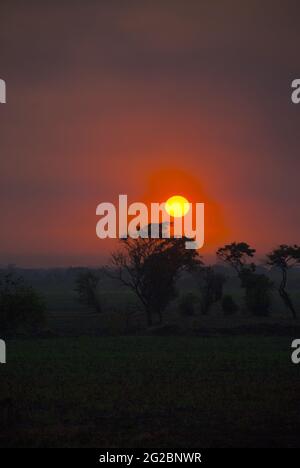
86,288
284,258
257,292
21,308
211,287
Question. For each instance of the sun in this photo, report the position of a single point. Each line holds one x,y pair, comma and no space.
177,206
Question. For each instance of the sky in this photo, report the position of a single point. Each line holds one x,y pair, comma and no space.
150,99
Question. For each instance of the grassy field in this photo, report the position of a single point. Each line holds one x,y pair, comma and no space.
150,392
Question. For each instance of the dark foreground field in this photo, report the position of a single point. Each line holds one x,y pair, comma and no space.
150,392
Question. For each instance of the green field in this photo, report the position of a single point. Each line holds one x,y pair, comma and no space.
150,392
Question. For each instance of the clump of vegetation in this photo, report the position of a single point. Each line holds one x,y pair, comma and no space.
86,288
229,306
258,289
21,308
257,286
211,287
284,258
187,304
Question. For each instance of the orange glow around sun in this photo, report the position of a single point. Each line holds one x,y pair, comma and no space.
161,186
177,206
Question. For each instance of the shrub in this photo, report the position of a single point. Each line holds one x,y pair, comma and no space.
21,308
258,300
229,306
211,287
257,293
86,288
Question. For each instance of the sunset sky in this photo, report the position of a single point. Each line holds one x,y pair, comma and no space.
150,99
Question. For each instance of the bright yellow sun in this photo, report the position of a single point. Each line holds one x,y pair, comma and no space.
177,206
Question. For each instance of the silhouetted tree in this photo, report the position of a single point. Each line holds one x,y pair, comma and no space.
257,286
211,287
21,307
86,288
284,258
257,292
236,255
150,268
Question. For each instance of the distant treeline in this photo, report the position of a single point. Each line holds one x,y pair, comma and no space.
58,276
153,271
